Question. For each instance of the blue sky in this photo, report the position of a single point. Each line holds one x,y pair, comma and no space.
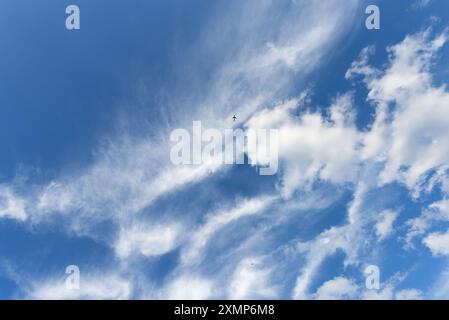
86,178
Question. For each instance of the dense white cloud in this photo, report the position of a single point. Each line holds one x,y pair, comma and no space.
251,281
384,226
337,289
189,288
438,243
412,138
408,139
341,288
436,212
313,147
148,240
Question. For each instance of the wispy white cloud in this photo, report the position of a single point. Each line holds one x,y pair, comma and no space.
409,294
129,173
214,222
419,4
440,287
346,238
11,205
95,287
264,56
406,143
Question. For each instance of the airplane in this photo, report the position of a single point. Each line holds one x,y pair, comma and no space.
234,117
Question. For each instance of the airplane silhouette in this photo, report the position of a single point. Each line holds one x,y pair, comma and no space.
234,117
